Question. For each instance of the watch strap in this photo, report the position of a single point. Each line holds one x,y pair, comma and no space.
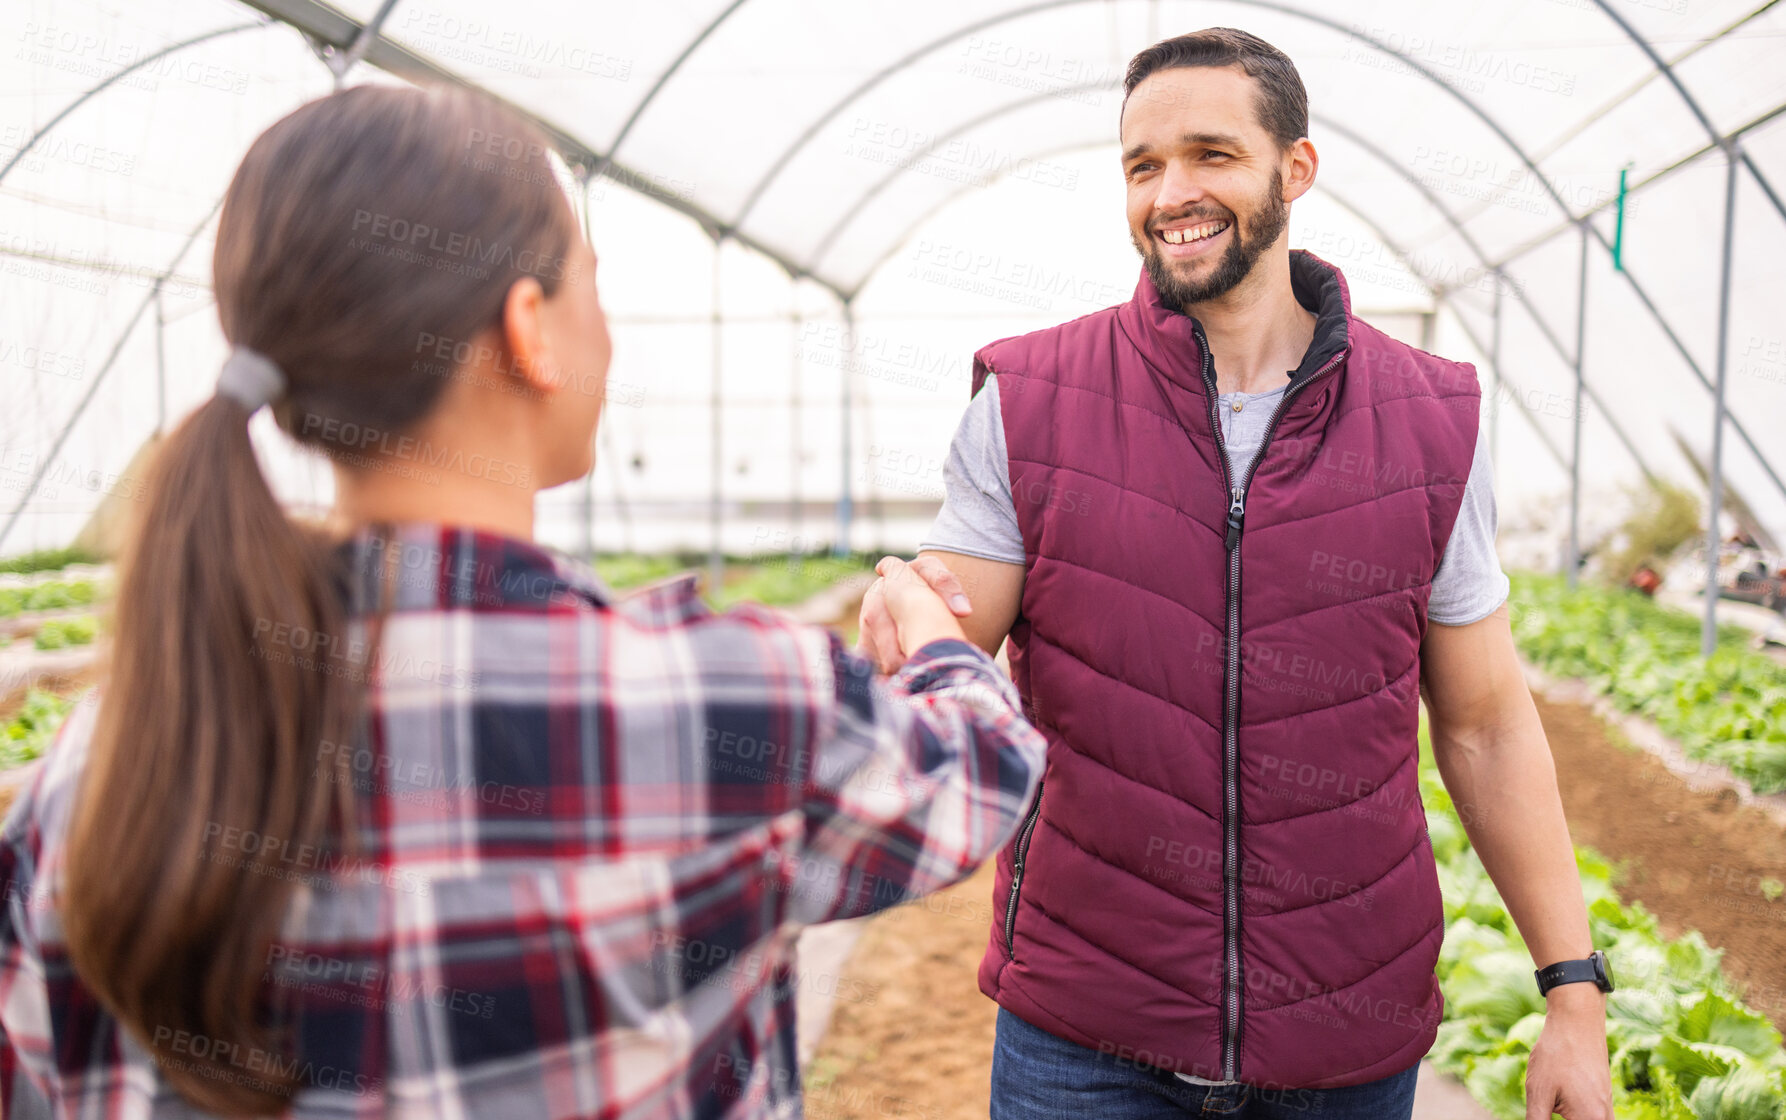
1569,972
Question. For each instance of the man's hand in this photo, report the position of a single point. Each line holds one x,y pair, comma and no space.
1568,1072
879,639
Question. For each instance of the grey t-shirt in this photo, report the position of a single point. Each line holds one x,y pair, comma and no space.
979,518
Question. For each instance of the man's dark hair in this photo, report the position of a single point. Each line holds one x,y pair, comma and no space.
1283,101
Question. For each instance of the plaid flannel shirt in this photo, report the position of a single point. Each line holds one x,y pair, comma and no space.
589,831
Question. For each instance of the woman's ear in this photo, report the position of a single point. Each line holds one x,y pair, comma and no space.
524,330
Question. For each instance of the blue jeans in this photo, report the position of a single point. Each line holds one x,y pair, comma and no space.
1037,1076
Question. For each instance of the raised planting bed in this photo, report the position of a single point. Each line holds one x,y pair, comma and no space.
1730,709
1683,1043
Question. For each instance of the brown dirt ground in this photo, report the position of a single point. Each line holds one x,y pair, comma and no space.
1697,860
919,1044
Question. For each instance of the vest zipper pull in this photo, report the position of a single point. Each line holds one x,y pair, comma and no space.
1236,514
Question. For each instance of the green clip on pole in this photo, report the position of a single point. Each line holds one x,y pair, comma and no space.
1618,229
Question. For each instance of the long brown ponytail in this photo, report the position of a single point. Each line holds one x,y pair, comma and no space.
359,230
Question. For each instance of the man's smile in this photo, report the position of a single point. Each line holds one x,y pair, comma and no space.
1188,240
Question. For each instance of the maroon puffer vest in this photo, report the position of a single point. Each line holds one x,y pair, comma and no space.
1227,872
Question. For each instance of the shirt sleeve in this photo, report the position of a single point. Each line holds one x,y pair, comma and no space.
20,968
1469,583
915,781
979,517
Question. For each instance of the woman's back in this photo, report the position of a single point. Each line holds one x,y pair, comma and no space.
586,834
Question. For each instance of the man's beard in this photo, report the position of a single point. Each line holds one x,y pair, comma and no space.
1249,243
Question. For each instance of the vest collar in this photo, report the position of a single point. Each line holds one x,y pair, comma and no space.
1173,342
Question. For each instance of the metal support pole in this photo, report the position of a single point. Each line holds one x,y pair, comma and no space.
795,513
1494,414
1581,334
339,64
160,363
1708,638
845,512
588,503
715,554
588,513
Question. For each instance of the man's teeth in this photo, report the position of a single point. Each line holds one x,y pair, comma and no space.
1193,233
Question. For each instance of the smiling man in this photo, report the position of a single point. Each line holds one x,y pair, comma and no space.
1233,534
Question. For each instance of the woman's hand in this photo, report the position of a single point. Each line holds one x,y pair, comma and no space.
906,607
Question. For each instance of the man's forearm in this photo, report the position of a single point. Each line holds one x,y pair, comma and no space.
1503,781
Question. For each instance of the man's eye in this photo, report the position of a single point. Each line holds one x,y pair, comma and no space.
1217,155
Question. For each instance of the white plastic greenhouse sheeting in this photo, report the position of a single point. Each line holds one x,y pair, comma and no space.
951,167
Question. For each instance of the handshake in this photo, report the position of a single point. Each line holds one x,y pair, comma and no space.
910,605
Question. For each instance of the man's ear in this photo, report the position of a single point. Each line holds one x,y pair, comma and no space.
1304,162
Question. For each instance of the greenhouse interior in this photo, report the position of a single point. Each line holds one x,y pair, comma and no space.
822,229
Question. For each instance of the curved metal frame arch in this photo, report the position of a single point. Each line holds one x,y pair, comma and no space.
1439,291
1377,153
111,359
781,162
1692,103
663,79
319,21
1442,294
111,78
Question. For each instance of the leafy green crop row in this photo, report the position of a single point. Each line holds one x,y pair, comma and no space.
54,595
1730,709
60,633
1682,1044
47,560
775,580
624,570
26,734
786,581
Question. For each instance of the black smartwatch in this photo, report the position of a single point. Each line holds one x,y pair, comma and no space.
1570,972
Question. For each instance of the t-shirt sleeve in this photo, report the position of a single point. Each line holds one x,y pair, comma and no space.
1470,584
979,517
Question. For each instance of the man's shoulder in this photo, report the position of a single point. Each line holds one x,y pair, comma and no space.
1397,368
1045,351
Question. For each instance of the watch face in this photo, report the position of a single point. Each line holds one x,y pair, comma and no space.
1604,968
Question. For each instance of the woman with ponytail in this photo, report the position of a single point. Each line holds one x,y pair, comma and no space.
401,813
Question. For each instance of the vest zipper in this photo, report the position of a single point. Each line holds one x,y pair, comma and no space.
1231,971
1019,854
